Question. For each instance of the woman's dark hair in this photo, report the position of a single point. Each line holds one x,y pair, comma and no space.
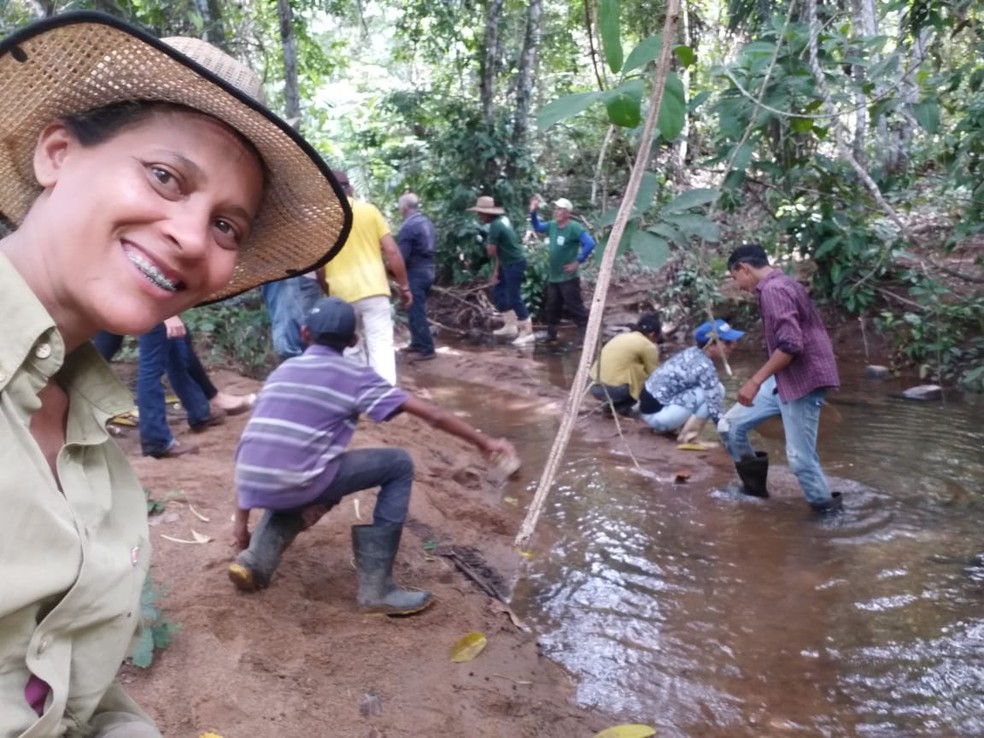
99,125
650,323
748,253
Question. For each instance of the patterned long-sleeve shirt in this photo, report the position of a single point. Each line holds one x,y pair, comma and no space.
686,371
793,325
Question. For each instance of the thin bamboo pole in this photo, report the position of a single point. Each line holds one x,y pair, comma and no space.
573,404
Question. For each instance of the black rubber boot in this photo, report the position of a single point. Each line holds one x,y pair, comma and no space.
834,505
375,548
253,568
753,473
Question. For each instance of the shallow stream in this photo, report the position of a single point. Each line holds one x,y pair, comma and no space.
703,613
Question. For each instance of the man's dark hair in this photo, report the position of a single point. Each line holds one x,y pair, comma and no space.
748,253
650,323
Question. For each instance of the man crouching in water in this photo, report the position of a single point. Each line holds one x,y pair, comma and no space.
292,461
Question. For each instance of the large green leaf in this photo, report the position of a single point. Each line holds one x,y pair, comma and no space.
624,103
690,199
694,224
927,113
673,109
669,232
564,107
651,250
686,55
645,51
609,23
647,191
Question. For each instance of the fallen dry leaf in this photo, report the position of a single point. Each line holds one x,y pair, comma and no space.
468,647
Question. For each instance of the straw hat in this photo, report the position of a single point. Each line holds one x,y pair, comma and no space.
75,62
486,204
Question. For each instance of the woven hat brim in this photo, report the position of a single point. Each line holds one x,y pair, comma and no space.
75,62
487,211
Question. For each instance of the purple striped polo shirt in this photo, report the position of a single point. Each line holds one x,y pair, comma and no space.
303,420
793,325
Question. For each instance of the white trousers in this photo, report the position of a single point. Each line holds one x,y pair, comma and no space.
375,347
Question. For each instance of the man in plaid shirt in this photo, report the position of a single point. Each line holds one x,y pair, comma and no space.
793,382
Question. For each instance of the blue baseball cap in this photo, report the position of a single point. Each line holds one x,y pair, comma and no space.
705,332
331,316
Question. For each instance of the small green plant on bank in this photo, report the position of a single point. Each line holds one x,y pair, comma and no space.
944,340
235,332
157,632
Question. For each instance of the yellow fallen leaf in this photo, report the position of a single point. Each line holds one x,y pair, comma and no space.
128,419
510,500
197,514
209,734
468,647
699,446
635,730
528,555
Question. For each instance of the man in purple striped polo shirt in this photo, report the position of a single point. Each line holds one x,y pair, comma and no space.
793,382
292,460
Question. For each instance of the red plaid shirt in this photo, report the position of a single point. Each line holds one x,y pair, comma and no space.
793,326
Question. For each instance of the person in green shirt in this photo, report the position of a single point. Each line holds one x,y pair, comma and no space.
141,177
569,246
509,260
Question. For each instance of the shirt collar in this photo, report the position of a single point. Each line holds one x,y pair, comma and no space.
29,327
771,275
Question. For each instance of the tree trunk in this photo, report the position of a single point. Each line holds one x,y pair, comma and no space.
681,144
526,74
292,96
490,60
866,26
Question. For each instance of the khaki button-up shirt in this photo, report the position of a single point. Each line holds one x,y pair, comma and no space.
72,559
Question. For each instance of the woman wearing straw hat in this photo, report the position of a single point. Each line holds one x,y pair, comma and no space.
510,265
142,177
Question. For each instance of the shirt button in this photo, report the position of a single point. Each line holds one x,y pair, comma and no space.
43,351
43,646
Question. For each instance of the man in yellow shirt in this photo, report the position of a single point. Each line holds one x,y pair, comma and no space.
358,275
625,362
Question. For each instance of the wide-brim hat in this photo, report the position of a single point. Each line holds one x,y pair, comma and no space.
75,62
486,204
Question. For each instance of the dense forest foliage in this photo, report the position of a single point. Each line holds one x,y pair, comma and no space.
848,136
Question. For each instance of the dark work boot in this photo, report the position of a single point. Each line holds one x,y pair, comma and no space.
375,548
253,568
833,505
753,473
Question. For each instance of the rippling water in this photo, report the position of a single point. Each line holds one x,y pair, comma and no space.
705,614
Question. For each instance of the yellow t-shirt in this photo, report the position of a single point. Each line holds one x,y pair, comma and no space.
628,358
358,271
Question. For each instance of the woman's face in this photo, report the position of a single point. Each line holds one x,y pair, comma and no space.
146,224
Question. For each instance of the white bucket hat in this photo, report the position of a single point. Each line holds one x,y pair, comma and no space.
75,62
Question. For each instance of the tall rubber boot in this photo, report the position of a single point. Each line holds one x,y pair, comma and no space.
253,568
834,505
526,336
509,329
753,473
375,548
690,431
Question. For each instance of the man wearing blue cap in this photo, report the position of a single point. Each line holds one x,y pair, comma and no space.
687,385
292,460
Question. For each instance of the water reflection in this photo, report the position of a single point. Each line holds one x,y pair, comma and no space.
708,615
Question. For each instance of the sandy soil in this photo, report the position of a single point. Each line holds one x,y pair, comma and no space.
297,659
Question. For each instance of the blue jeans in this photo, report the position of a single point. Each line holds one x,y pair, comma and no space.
420,333
309,293
676,412
283,301
800,419
157,356
507,293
